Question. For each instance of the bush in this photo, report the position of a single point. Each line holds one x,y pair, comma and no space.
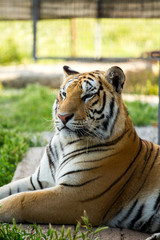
12,148
142,114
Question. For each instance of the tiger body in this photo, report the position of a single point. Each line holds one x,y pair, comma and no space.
95,162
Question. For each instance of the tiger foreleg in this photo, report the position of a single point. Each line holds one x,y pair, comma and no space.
21,185
56,205
42,178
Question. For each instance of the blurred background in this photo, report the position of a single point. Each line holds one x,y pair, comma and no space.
38,37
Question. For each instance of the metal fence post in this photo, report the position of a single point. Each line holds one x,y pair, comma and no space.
159,103
35,4
156,55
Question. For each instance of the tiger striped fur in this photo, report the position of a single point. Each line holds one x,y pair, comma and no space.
95,162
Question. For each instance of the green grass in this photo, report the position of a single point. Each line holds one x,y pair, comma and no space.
35,232
13,146
27,110
23,113
120,38
142,114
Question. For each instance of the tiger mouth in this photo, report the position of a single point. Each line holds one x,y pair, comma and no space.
80,132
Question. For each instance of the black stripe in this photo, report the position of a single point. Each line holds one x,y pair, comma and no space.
18,190
51,164
81,153
90,85
90,79
113,142
51,150
10,191
56,152
61,146
119,178
129,211
111,107
137,217
100,88
92,76
40,184
146,175
32,183
154,160
72,142
147,159
115,120
119,193
95,102
103,106
80,170
146,156
108,117
51,159
79,185
97,160
157,202
145,227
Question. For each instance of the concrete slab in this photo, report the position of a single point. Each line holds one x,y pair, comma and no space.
29,163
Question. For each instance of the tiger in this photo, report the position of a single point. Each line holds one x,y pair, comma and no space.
95,162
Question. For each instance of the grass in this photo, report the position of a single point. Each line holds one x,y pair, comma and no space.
35,232
120,38
13,145
142,114
22,114
27,110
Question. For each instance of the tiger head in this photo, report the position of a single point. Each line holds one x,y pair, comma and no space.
90,104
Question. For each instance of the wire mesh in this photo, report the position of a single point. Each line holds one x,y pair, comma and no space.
52,9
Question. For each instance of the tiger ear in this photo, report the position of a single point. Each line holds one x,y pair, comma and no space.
115,76
68,71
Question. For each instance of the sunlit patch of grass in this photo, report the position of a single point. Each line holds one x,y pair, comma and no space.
120,38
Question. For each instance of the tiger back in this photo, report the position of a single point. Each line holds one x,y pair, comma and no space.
95,162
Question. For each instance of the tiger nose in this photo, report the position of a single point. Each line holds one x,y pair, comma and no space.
65,117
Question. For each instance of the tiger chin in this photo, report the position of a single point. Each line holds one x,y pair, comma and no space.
95,162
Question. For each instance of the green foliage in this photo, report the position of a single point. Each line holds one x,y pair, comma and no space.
12,148
28,110
35,232
129,37
142,114
16,41
22,113
142,82
120,38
